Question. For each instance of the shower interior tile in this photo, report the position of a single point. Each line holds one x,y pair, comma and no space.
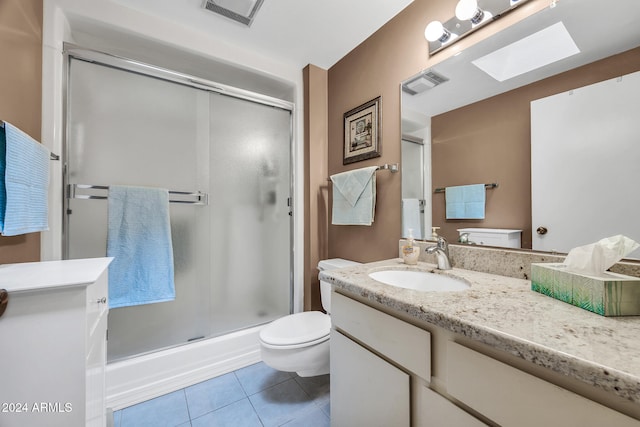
258,377
169,409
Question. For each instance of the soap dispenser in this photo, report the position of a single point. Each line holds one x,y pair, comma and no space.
410,251
434,233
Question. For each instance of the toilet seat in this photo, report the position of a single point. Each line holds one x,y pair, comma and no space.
297,330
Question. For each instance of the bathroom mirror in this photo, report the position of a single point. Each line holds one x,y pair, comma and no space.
460,125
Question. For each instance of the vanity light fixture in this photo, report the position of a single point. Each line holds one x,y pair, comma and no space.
435,31
469,16
468,10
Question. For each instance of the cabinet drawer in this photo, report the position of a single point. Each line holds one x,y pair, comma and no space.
512,397
407,345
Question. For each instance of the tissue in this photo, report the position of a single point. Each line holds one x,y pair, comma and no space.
596,258
582,280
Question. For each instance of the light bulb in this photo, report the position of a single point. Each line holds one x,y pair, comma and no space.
435,31
467,10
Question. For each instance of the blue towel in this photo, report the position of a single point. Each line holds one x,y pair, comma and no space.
139,239
24,183
354,197
465,201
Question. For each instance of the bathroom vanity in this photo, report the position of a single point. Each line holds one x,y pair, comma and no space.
494,354
53,342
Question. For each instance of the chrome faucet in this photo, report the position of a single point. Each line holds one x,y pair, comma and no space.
441,249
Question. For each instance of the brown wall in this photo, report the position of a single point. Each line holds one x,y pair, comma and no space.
375,68
490,141
20,95
315,182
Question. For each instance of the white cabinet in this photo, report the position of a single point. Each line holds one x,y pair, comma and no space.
437,411
53,342
365,389
384,370
380,369
511,397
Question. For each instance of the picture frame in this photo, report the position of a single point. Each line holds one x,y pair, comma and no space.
362,132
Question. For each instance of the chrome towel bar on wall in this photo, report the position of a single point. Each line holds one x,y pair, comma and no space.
52,156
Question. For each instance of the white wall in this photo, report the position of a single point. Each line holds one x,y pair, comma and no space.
105,24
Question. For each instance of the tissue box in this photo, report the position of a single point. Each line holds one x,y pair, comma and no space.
610,294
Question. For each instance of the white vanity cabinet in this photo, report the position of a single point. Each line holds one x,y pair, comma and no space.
380,370
512,397
53,342
387,372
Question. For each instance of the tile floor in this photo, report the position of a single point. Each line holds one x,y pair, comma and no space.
253,396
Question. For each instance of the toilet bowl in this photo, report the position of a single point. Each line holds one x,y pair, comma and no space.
300,342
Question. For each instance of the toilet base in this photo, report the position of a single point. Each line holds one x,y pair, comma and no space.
306,361
314,372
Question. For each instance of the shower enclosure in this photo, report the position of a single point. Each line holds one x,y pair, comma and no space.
225,156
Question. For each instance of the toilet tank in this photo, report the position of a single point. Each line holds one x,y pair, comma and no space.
506,238
325,287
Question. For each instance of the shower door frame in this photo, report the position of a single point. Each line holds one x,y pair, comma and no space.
72,51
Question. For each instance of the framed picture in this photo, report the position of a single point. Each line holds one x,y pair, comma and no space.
362,132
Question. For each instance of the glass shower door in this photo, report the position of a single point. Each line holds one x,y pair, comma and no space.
232,257
124,128
250,221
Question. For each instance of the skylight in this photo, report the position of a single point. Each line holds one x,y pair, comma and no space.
535,51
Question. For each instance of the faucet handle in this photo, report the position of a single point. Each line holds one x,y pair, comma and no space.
442,242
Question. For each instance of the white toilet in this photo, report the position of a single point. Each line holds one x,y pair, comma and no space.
300,342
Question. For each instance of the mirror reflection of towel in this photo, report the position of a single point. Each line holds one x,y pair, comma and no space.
465,201
354,197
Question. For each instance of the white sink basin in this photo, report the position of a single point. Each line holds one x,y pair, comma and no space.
419,280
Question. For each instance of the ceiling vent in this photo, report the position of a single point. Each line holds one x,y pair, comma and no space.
423,81
242,11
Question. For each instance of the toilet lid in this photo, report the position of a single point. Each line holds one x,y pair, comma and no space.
297,328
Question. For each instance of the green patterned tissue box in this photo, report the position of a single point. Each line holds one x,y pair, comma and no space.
610,294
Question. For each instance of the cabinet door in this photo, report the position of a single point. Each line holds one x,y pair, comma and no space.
365,389
436,411
512,397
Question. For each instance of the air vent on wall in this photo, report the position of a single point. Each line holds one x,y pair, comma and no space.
243,11
423,81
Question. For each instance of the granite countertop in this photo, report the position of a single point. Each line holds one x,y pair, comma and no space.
504,313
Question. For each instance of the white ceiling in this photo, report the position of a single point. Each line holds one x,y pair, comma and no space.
318,32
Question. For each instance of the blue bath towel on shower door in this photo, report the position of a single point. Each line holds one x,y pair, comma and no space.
139,239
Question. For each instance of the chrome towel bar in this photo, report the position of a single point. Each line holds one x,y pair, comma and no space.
186,197
487,186
51,155
393,168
